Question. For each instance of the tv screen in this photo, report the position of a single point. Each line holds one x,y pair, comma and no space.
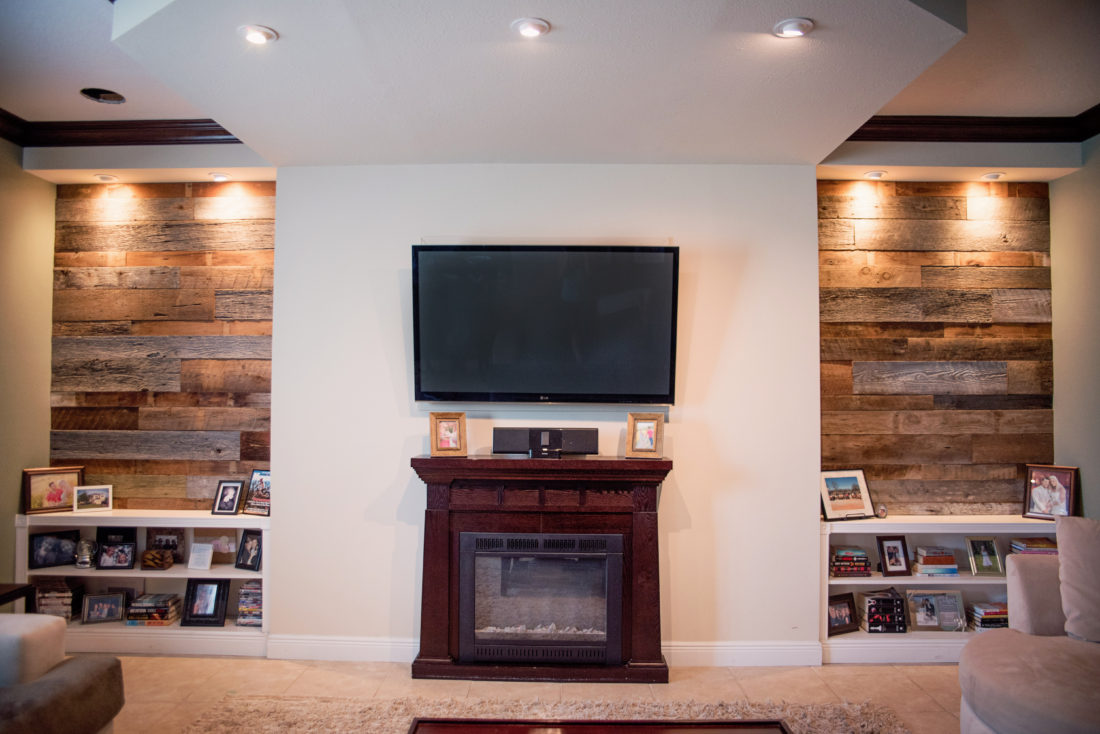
544,324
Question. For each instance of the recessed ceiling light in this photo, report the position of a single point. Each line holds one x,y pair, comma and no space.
258,34
793,27
105,96
105,178
219,176
530,27
992,175
875,175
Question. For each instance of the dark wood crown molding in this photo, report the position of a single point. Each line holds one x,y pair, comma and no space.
113,132
958,129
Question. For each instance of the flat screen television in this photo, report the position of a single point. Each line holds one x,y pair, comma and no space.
585,324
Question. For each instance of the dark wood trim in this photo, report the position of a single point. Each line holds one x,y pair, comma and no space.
12,128
959,129
111,132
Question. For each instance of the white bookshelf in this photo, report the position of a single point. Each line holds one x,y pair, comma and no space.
949,531
117,637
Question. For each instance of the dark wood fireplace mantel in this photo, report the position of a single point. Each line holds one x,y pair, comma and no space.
520,495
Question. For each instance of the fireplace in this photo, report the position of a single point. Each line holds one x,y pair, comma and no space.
540,598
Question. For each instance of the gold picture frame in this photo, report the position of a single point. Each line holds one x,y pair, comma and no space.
985,556
448,434
645,433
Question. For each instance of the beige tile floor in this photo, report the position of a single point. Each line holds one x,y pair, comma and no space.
165,694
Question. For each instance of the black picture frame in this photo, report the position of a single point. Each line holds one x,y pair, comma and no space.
893,554
205,602
110,535
57,548
113,556
1050,491
258,500
842,614
108,607
227,500
248,556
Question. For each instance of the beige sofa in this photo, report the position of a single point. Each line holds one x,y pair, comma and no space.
1042,674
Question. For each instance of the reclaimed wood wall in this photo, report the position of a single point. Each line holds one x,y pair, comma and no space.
936,354
162,337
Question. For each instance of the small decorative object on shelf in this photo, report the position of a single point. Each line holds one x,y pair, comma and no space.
58,596
881,511
1050,491
985,557
448,434
842,614
157,559
202,554
205,602
935,560
92,498
103,607
893,555
50,489
937,610
86,550
258,501
645,435
844,495
227,500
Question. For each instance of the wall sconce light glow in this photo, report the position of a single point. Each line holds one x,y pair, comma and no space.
792,27
219,176
258,34
875,175
105,178
531,27
993,175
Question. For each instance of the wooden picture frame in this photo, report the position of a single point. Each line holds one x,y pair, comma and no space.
645,433
1050,491
171,539
92,498
116,555
448,434
844,495
227,500
204,603
842,614
250,550
936,610
985,556
50,489
46,550
258,499
893,554
110,607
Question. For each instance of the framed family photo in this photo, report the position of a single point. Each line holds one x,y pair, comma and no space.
92,498
52,549
227,500
842,614
204,603
116,555
448,434
50,489
248,555
985,558
894,555
936,610
844,495
258,499
103,607
645,435
1050,491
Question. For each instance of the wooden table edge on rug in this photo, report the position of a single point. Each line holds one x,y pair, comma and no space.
607,726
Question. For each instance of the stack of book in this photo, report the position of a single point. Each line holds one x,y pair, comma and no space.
935,560
882,611
1046,546
987,615
250,606
154,610
848,560
58,597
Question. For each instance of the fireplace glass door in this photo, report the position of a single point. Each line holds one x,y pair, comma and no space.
540,598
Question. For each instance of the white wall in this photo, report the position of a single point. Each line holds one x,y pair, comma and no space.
739,513
26,307
1075,274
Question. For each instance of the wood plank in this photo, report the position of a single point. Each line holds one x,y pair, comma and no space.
958,305
109,277
876,402
954,236
124,210
255,446
1030,378
941,422
1024,448
200,328
235,207
906,304
165,467
92,328
941,472
108,375
920,257
205,419
1024,421
241,278
997,259
1021,306
232,188
941,188
869,276
141,485
207,487
121,191
835,234
984,277
895,207
972,349
254,258
996,331
843,258
858,422
1033,189
166,236
1009,209
190,445
87,419
143,305
89,259
162,347
853,188
858,450
864,349
245,375
893,492
162,503
106,399
881,330
243,305
936,507
191,400
993,402
919,378
166,259
836,378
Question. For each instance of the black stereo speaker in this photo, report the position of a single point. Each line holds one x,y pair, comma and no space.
546,442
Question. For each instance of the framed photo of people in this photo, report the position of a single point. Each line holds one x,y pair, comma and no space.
227,500
448,434
116,555
204,603
645,434
985,557
842,614
844,495
50,489
52,549
936,610
894,555
248,555
103,607
1050,491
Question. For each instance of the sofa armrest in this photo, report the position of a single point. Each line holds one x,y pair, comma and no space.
81,694
1034,594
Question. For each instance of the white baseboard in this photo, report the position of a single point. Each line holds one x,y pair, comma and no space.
682,654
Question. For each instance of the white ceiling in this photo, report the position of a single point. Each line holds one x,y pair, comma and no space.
616,81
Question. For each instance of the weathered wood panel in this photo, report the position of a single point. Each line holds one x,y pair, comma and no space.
201,445
895,207
876,449
869,276
241,278
110,375
984,277
204,419
166,259
1031,378
864,349
1025,448
1009,209
956,236
1028,306
905,304
167,467
89,259
233,207
876,402
836,378
92,328
235,189
123,191
105,399
943,472
919,378
201,375
255,446
969,349
162,347
994,402
881,330
116,278
138,305
90,419
167,236
141,485
243,305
